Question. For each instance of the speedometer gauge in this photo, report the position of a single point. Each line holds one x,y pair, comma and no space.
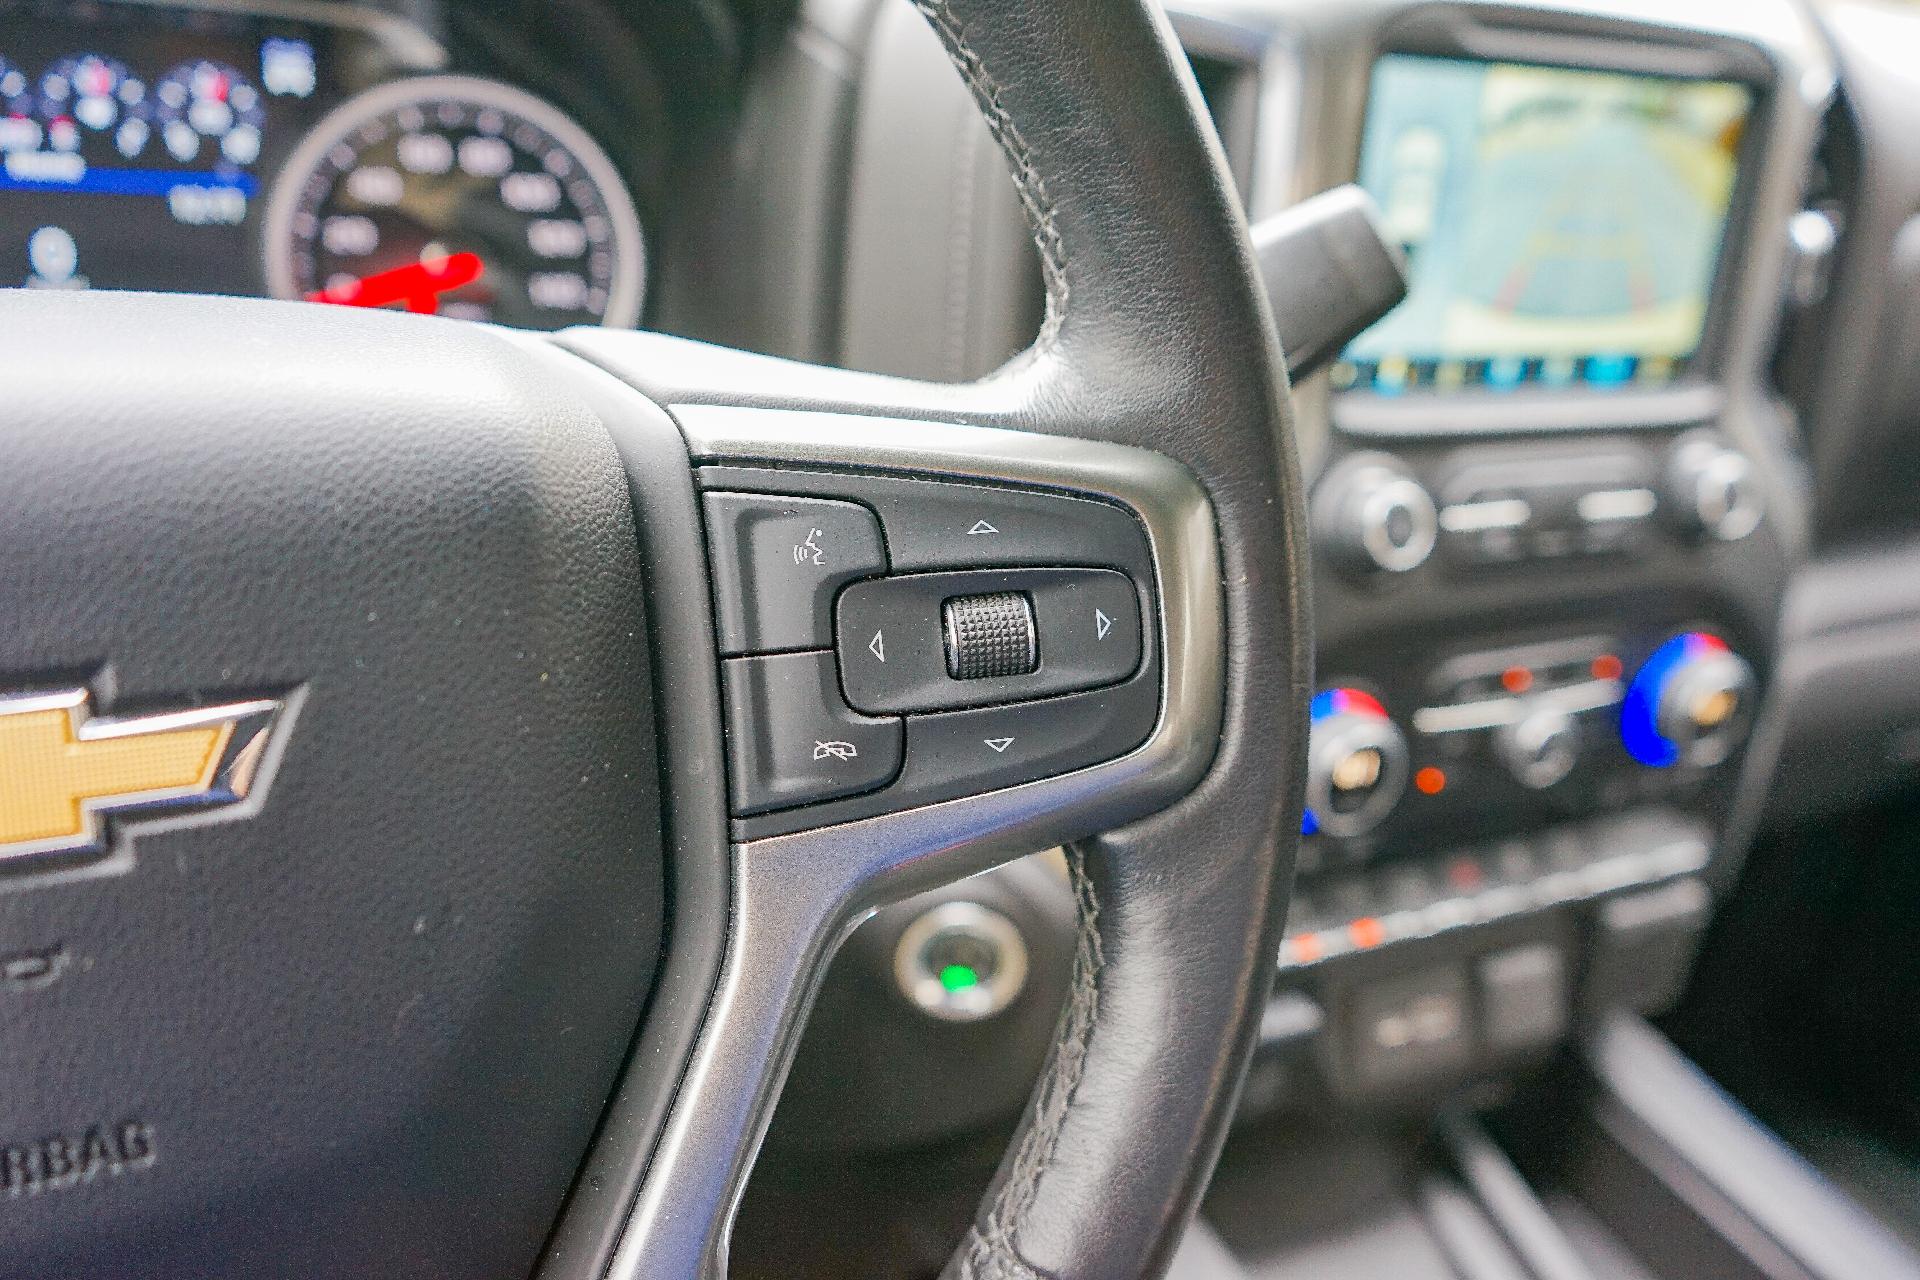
459,196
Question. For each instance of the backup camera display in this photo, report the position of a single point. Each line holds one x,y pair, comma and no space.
1562,226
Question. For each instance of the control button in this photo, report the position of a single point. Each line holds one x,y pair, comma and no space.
960,962
1499,508
1356,764
1608,506
792,740
894,641
954,526
1372,515
1486,527
1613,518
1523,996
1690,703
991,635
1481,513
934,524
962,751
777,563
1541,747
1714,489
1644,945
1409,1028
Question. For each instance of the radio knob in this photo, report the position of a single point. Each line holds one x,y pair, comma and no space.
1713,489
1372,516
1356,764
1689,704
1541,747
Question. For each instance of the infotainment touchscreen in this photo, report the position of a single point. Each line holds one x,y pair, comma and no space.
1562,226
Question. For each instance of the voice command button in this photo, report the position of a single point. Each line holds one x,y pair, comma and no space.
777,563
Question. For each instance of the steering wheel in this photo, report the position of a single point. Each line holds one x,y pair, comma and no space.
369,890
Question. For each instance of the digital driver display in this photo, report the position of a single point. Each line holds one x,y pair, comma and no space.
136,143
1562,226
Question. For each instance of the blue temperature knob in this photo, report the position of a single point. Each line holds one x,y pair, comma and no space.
1690,703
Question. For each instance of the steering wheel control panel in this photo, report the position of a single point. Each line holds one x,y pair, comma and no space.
890,642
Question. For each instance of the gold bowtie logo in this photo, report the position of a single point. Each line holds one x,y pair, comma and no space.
64,770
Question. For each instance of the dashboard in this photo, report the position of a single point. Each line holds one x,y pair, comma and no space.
1558,502
1564,497
337,153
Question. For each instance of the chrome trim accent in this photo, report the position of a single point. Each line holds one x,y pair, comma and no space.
796,897
1729,505
1463,716
1601,505
231,780
1477,517
1497,713
926,989
1589,695
1376,515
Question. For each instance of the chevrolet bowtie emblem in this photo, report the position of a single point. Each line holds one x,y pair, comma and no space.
64,770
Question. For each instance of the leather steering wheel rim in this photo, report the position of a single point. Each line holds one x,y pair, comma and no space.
1157,335
1180,916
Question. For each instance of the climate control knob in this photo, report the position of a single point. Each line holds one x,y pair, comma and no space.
1712,489
1372,516
1690,703
1356,763
1541,747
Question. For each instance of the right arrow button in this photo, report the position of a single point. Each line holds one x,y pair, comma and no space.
1089,621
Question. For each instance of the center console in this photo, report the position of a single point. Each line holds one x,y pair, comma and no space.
1551,521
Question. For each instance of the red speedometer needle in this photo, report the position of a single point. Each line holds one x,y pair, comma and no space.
418,285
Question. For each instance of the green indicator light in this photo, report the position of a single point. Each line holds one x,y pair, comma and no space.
958,977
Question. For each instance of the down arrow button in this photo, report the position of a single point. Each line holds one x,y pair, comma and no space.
961,752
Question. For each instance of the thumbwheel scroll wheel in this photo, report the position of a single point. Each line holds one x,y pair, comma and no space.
990,635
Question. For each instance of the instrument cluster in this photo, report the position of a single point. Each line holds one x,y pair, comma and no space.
328,156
